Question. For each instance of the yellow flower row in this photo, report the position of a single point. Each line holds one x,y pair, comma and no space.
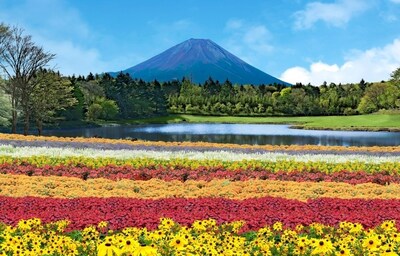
272,166
198,144
204,237
68,187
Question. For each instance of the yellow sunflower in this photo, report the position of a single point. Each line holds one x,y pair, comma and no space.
371,243
178,242
107,249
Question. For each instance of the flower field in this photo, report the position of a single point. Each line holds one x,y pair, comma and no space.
74,196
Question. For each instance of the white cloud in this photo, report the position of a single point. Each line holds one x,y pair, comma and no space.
372,65
257,37
234,24
46,17
72,59
53,25
336,14
249,42
389,17
395,1
182,24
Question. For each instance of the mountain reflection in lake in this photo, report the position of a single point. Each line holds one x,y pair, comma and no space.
237,133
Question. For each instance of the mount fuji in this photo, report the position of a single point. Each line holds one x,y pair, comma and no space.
197,60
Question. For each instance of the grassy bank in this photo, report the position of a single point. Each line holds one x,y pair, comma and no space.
383,122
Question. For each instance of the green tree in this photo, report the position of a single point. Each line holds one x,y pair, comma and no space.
109,109
395,78
362,84
51,94
75,112
379,96
91,91
102,108
5,108
227,89
329,100
159,99
94,112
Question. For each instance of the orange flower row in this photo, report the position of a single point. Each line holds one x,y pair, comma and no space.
199,144
68,187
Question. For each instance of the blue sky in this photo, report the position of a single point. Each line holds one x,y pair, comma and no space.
295,40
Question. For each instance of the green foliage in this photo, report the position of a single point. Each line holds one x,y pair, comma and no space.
366,106
227,99
94,112
395,77
110,109
91,90
379,96
75,112
5,108
138,99
51,94
102,109
286,92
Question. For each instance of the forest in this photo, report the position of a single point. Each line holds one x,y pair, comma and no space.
31,94
103,97
123,97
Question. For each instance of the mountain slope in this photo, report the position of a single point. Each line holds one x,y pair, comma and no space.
199,59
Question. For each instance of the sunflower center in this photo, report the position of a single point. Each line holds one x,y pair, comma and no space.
371,242
321,243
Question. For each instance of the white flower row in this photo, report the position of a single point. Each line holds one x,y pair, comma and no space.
7,150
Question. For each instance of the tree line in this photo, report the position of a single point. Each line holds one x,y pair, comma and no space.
130,98
213,98
33,94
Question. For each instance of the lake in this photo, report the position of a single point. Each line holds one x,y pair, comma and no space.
256,134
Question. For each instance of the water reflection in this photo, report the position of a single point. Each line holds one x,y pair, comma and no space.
238,133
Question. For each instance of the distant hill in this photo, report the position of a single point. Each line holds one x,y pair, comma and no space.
199,59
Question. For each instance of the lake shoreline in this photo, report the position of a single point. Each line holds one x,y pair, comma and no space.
381,123
354,129
253,134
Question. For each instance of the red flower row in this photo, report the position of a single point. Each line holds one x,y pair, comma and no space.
124,212
202,173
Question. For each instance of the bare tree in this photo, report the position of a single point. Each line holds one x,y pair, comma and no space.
20,59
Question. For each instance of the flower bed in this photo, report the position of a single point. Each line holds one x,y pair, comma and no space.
205,173
203,237
67,187
256,212
132,184
251,165
193,155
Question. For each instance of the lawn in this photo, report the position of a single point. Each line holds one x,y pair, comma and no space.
360,122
